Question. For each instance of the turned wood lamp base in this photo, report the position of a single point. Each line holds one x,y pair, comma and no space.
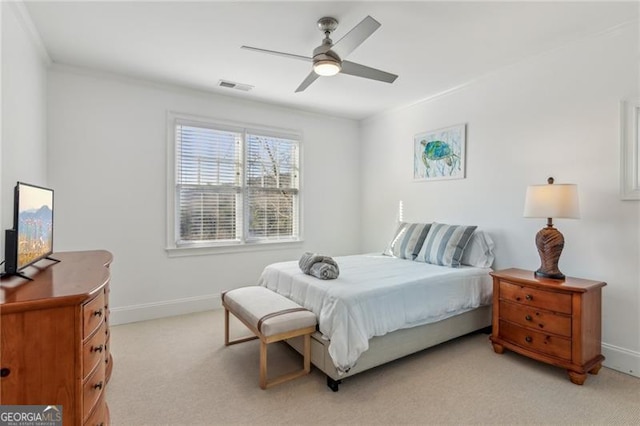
550,243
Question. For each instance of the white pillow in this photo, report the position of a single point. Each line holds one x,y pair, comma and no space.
479,250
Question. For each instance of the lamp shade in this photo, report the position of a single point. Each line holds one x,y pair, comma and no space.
554,200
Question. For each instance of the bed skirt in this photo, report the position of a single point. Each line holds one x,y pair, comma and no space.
398,344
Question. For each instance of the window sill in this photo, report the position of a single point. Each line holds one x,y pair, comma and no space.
235,248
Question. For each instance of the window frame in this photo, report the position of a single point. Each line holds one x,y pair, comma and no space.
245,244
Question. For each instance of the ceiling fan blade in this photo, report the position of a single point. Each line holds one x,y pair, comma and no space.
358,70
307,81
355,37
273,52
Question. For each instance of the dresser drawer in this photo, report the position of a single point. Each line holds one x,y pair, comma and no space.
93,314
558,347
93,351
107,344
93,389
99,416
539,319
107,359
552,301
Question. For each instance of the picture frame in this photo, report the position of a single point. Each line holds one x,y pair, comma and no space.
440,154
629,149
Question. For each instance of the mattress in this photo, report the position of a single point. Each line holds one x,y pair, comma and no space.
375,295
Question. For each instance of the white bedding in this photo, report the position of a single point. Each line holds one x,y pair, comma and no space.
375,295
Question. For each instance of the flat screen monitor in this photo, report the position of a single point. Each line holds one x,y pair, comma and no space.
33,223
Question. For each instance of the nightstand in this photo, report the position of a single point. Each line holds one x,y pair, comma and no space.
553,321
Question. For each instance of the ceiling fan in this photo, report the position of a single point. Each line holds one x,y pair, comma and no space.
327,58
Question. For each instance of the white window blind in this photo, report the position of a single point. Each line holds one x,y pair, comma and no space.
208,183
272,187
234,186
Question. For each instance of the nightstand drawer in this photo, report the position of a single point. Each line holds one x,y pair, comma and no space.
533,340
540,319
553,301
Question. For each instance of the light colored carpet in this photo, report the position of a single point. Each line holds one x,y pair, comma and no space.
177,371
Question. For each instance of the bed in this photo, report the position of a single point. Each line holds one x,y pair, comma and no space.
383,307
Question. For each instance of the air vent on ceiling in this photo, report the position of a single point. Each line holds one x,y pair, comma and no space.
233,85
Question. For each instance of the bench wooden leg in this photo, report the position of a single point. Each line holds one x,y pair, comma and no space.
263,365
228,342
226,326
307,353
266,383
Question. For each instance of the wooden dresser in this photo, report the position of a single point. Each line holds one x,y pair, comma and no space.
55,336
553,321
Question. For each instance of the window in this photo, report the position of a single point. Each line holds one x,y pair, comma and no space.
233,185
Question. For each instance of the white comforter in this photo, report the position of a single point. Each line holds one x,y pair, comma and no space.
375,295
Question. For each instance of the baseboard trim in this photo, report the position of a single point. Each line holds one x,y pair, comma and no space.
169,308
621,359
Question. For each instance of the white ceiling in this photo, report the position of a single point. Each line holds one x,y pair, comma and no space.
432,46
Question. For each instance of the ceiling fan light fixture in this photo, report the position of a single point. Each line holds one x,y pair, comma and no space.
327,58
326,68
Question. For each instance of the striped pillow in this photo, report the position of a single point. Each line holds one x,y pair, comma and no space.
407,240
445,244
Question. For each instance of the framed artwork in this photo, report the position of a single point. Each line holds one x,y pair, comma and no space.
440,154
630,150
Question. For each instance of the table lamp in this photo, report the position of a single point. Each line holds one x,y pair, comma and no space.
551,200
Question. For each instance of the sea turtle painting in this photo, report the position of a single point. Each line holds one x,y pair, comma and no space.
440,153
437,154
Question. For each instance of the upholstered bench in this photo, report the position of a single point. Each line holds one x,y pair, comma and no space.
271,318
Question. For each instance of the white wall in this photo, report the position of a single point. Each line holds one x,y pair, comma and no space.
107,163
553,115
23,149
556,114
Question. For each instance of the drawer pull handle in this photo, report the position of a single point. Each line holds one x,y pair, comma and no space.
98,385
4,372
97,313
528,339
528,297
97,348
528,317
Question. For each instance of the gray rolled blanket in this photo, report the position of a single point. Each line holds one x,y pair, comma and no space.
319,266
